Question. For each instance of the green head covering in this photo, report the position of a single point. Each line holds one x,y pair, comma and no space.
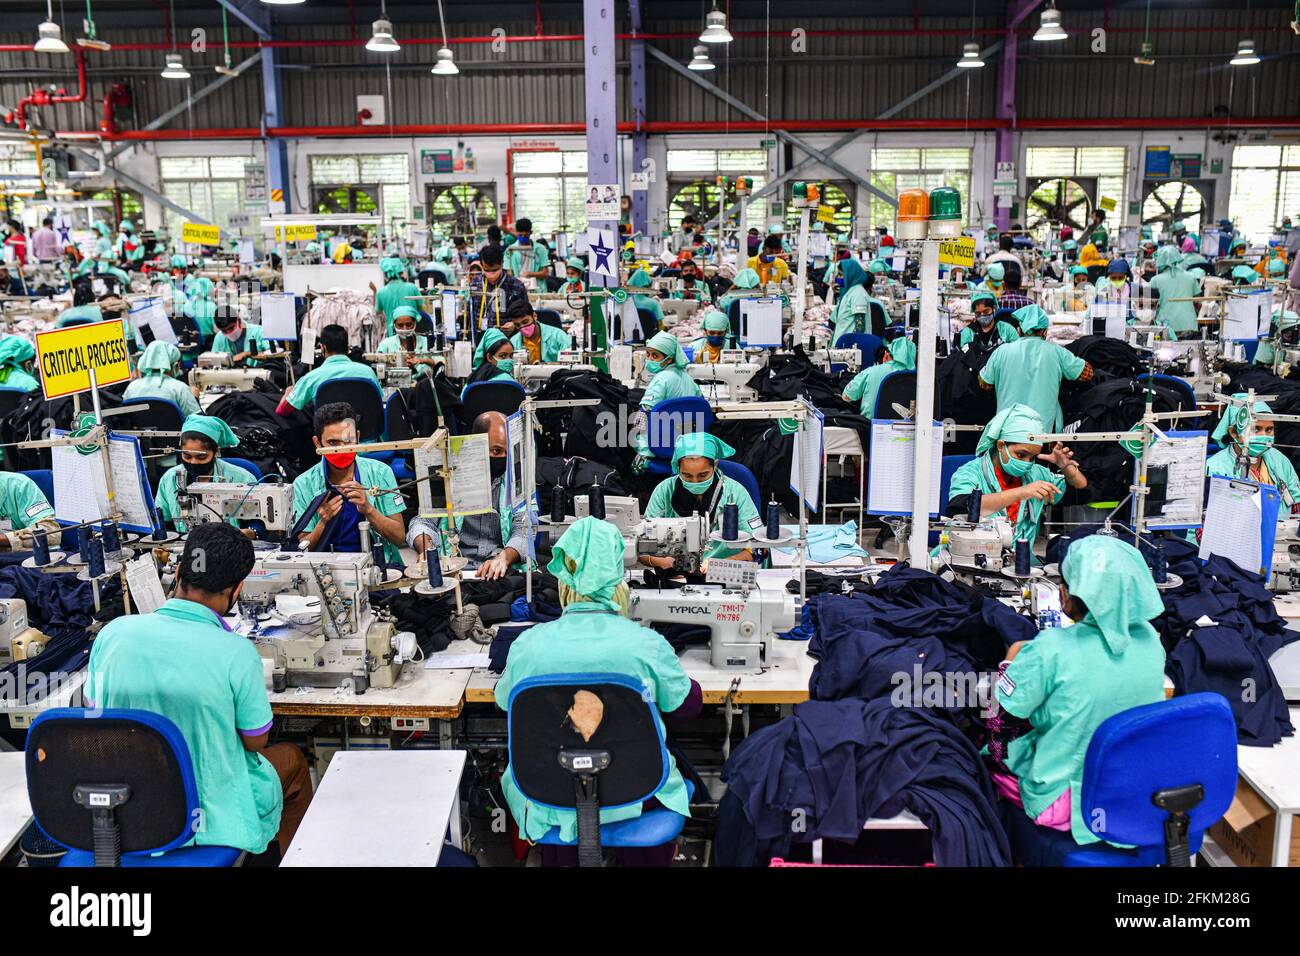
1196,271
1238,243
1194,259
1238,417
443,254
853,273
490,340
406,310
877,267
1111,577
699,445
1167,257
391,267
1070,244
991,230
126,225
1178,226
158,358
101,227
984,295
902,352
1014,424
1031,318
1078,270
716,321
589,559
15,350
1244,274
639,280
997,272
1276,267
573,262
179,262
203,287
210,427
746,279
1285,320
668,344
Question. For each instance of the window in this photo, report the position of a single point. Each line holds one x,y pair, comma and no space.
839,196
549,189
1265,188
211,187
693,187
1108,163
365,184
896,169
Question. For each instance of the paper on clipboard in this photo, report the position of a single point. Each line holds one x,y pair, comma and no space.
150,314
1179,461
760,322
142,579
81,484
893,467
1247,317
1113,314
450,305
279,316
806,459
1240,523
471,477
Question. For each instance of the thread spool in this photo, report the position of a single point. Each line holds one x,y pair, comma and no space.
975,506
1159,565
440,341
40,548
435,568
112,539
1022,558
730,522
596,502
94,554
773,520
159,533
377,553
557,504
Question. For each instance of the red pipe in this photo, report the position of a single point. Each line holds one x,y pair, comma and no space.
40,97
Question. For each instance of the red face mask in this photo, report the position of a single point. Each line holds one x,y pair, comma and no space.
342,460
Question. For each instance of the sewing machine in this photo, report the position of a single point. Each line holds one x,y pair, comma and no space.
742,621
18,641
330,631
825,358
977,552
1285,576
735,376
214,360
228,379
533,375
206,501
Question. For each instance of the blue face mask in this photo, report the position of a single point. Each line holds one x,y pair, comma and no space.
715,340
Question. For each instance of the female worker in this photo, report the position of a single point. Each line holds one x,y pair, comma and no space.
1007,472
1173,282
498,359
1247,439
1081,292
593,635
984,330
160,370
994,278
641,280
202,438
238,338
742,286
83,304
404,340
17,362
574,270
900,356
536,342
1243,276
1068,681
1284,321
852,312
701,488
1029,371
202,307
666,365
717,336
396,291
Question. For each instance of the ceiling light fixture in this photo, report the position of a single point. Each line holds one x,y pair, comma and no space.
175,68
970,57
381,38
701,61
445,66
1246,55
1049,26
715,28
49,35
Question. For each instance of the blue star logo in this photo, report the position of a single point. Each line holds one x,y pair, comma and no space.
603,253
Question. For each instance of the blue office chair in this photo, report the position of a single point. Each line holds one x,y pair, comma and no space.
399,429
738,472
116,789
159,414
550,317
1155,777
897,388
879,318
868,345
667,420
649,323
503,395
365,398
245,464
948,466
620,763
1250,347
44,479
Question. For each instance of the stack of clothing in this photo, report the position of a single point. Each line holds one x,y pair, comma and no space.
346,307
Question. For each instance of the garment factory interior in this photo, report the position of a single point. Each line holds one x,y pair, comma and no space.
580,433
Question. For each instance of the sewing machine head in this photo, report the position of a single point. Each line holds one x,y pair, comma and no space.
682,539
215,360
976,549
232,379
533,375
742,623
205,501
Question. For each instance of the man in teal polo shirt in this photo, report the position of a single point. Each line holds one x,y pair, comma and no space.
334,343
344,490
184,663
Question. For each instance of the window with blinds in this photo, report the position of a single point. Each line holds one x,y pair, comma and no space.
211,187
894,169
390,172
1265,188
549,189
1108,163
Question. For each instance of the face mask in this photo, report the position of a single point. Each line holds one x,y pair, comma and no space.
342,460
234,334
768,258
696,487
1259,444
406,333
194,472
498,466
506,365
1117,281
1014,466
654,368
995,286
839,282
715,340
528,330
985,320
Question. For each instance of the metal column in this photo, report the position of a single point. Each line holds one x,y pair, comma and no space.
602,103
1006,105
640,198
258,19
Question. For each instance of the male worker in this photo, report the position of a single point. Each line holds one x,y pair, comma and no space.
332,498
525,258
491,297
184,663
768,263
22,505
334,344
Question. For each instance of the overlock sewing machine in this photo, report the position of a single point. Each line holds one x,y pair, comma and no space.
203,501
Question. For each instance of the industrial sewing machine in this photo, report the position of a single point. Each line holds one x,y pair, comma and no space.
204,501
330,632
215,360
735,375
825,358
978,552
18,641
533,376
1285,576
228,379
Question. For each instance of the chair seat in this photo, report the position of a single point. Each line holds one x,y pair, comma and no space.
206,856
1032,845
652,828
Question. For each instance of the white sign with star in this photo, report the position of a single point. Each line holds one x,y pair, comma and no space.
603,248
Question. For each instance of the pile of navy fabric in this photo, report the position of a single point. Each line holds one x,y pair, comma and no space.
858,749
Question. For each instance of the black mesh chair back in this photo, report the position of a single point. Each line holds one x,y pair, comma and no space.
364,397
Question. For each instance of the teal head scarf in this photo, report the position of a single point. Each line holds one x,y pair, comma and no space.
902,352
715,321
573,262
877,267
202,288
746,279
1168,257
1013,425
14,351
997,272
391,267
179,262
588,558
1112,579
1244,275
984,295
1238,417
1031,318
490,339
101,227
699,445
853,273
158,358
1276,267
210,427
1285,320
1078,270
639,280
669,346
409,311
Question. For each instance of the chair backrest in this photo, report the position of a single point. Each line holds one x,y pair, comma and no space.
898,387
245,464
733,318
551,716
879,318
502,395
10,398
1187,396
396,414
44,479
161,414
77,320
649,323
948,465
738,472
365,398
1250,348
673,417
549,317
1137,752
70,747
867,344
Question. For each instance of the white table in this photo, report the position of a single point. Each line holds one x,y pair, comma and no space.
15,810
385,808
419,692
1274,773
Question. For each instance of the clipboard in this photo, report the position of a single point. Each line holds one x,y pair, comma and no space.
891,460
1178,479
1217,536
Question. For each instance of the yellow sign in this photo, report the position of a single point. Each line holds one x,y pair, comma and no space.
66,356
957,252
1107,204
304,232
825,213
200,234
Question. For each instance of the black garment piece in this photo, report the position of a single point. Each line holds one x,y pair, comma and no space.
574,476
960,393
31,418
494,598
1109,355
835,764
425,616
254,412
425,403
790,376
586,429
1287,402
